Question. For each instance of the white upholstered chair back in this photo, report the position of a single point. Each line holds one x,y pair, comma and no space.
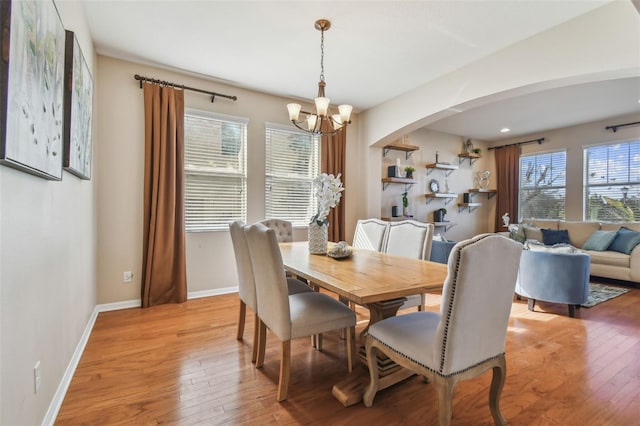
270,280
246,284
370,234
283,229
409,238
476,302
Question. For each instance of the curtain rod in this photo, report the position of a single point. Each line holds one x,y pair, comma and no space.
539,141
183,87
615,126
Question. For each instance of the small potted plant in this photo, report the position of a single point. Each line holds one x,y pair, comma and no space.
477,151
409,171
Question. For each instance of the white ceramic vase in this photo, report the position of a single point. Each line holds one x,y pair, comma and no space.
318,238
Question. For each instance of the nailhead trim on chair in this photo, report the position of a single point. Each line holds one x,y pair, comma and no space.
453,293
439,373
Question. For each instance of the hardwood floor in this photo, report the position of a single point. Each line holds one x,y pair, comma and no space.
181,364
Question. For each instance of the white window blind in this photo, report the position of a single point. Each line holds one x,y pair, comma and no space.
291,163
543,183
612,182
215,165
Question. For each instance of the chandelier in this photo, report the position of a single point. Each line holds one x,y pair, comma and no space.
314,122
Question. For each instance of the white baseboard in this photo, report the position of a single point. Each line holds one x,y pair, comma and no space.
61,392
63,386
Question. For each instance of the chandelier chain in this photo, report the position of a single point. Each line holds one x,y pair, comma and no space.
322,54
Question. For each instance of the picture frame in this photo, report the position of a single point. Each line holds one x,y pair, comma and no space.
78,110
32,87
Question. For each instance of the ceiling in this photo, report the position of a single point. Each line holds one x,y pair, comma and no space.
374,51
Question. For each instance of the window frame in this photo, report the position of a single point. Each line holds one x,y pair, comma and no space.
632,186
302,221
241,173
521,187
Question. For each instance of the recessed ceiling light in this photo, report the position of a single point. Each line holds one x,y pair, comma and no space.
505,130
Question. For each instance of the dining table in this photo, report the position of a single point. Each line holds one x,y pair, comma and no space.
378,281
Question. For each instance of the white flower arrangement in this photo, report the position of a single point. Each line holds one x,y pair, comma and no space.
328,192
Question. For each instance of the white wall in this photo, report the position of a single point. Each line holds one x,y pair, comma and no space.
602,44
47,271
210,259
574,139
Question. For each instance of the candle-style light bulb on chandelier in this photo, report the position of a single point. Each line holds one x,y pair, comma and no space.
313,121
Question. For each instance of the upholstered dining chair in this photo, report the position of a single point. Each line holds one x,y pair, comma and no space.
283,229
410,238
246,283
467,337
370,234
290,316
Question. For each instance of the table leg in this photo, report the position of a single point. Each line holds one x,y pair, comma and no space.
350,390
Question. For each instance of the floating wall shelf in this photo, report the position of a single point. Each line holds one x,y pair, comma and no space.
470,206
408,149
448,168
472,157
490,192
445,225
393,180
447,197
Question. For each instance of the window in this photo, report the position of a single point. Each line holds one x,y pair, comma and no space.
543,185
291,163
215,166
612,182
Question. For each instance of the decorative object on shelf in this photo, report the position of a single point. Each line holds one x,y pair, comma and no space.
482,179
405,204
328,193
322,114
394,211
446,184
434,186
438,215
466,197
409,172
505,220
477,151
392,171
468,146
437,155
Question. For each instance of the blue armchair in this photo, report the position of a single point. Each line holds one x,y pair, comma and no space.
554,277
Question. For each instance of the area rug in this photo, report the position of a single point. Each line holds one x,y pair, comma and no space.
599,293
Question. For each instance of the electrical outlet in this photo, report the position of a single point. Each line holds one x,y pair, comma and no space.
37,377
127,276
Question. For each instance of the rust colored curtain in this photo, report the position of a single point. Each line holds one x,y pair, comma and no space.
508,175
164,276
333,151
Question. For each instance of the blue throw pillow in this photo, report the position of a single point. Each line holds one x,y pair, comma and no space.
600,240
552,236
625,240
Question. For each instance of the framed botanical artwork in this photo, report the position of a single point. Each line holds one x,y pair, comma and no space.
78,109
32,87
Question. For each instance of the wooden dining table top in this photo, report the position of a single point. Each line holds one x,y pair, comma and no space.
367,276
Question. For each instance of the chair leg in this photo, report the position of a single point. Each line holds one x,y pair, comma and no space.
444,389
285,366
423,302
243,313
256,337
262,343
497,383
532,304
319,342
572,312
371,391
